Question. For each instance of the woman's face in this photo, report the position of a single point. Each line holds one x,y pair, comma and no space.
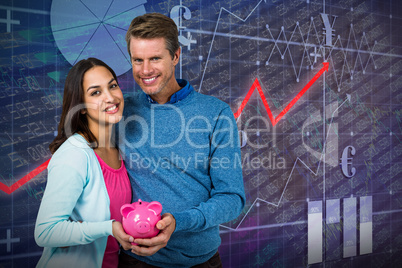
102,97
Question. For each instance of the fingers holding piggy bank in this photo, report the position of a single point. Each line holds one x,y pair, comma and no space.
140,218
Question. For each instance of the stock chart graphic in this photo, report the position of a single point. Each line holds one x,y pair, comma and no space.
316,90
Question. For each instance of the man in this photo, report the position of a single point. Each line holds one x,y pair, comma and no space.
180,149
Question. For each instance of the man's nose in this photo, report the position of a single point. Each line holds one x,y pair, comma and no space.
146,67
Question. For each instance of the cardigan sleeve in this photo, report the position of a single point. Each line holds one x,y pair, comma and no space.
67,179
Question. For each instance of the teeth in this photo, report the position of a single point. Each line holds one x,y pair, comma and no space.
111,108
149,79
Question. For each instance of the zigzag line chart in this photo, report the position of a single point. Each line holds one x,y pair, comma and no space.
256,85
298,160
215,32
319,47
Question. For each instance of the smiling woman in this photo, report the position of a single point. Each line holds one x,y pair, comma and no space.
103,100
79,218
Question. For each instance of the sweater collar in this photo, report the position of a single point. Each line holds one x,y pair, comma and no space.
186,89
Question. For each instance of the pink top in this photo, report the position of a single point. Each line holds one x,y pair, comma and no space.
119,190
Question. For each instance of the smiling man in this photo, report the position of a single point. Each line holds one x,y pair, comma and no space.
168,122
153,67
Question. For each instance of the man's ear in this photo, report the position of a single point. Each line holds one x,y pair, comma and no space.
176,56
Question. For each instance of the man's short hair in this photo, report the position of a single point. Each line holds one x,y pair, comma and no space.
154,25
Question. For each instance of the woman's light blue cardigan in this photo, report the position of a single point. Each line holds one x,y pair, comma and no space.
73,221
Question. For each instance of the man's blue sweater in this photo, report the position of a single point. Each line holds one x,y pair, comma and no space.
185,155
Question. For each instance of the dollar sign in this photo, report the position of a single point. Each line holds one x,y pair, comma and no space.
346,161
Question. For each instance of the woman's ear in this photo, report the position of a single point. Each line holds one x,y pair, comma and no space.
83,111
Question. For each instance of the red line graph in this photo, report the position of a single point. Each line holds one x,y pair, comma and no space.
23,180
256,84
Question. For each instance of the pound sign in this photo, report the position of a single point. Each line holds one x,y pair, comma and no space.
177,16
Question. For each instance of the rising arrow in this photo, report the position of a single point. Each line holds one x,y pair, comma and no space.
257,85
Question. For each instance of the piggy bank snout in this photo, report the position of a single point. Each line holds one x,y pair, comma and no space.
143,227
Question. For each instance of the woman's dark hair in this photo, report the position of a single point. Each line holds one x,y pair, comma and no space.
72,120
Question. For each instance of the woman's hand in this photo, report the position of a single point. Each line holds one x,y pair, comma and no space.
121,236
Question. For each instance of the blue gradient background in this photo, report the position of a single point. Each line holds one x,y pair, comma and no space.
237,42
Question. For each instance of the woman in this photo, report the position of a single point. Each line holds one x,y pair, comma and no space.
87,181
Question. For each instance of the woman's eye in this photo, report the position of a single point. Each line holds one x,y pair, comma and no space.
114,85
96,92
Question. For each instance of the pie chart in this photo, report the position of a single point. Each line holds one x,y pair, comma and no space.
88,28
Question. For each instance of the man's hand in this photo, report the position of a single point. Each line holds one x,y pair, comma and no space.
121,236
149,246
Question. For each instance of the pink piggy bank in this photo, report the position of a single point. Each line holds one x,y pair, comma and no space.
140,218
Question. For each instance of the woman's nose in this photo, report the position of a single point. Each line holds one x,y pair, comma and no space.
108,96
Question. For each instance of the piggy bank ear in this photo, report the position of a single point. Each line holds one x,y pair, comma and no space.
155,206
125,209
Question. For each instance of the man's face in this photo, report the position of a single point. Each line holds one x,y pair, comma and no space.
153,67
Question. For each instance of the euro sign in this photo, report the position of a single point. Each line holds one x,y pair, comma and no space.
346,161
